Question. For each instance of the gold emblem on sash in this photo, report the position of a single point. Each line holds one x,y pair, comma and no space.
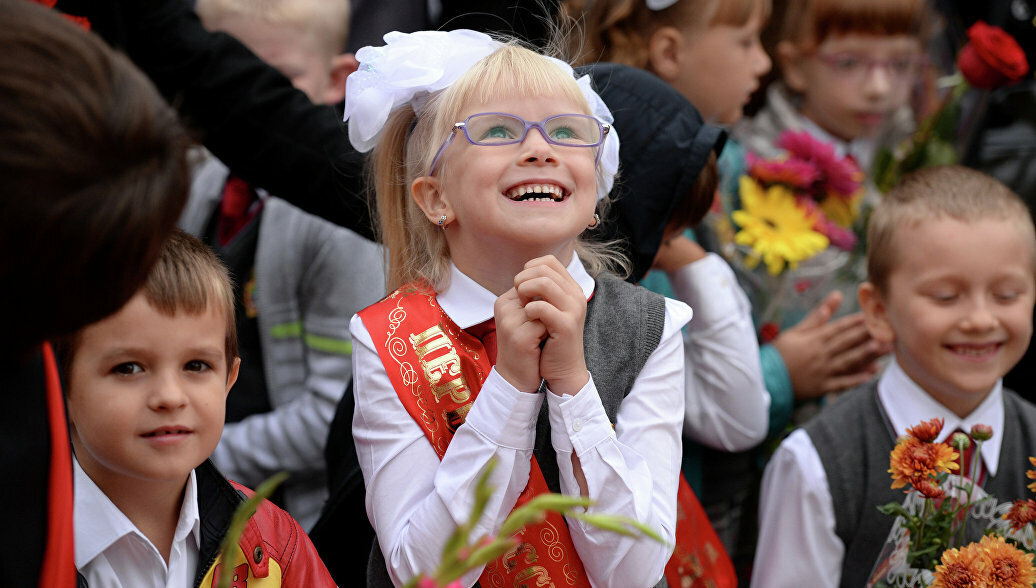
441,364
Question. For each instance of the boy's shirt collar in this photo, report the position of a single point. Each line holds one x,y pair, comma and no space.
99,524
906,405
467,303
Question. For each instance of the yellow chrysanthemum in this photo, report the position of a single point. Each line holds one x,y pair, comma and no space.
1005,565
773,225
840,210
959,568
913,461
1031,474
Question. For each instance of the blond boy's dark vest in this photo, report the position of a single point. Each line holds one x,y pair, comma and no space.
853,438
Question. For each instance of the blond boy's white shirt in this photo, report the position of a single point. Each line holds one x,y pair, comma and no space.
110,552
797,544
410,516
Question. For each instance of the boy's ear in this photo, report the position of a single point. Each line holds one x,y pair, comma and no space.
664,53
428,194
341,66
791,60
875,313
235,369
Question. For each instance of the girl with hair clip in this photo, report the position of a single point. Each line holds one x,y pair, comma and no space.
505,336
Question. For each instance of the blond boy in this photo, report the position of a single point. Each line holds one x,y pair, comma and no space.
951,255
146,393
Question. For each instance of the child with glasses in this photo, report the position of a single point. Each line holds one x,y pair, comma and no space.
847,69
506,338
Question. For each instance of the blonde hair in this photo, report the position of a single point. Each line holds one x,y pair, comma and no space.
415,247
326,20
619,30
955,192
807,23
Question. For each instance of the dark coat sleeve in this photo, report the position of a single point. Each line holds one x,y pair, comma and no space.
248,114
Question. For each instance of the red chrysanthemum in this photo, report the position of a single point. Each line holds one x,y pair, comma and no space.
926,431
1022,512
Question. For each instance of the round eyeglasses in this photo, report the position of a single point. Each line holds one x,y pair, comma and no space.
498,128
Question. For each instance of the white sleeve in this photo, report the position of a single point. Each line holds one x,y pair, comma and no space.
413,500
632,470
797,544
727,405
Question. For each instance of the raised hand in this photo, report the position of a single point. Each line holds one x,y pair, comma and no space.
823,356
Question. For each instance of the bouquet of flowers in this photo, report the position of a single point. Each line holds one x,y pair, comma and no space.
991,59
949,532
793,227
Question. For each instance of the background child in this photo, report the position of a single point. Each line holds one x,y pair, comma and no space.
146,395
951,257
299,277
490,230
92,178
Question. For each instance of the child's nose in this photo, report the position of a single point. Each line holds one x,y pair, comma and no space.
168,393
980,317
536,149
878,81
762,61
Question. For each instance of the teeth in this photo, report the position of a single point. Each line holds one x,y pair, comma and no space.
517,193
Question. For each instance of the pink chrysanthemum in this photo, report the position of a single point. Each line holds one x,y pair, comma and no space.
838,175
797,174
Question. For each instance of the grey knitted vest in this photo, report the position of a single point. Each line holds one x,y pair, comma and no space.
853,438
623,327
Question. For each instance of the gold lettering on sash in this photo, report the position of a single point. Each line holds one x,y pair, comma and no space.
443,370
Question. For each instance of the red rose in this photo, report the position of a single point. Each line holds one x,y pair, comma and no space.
991,58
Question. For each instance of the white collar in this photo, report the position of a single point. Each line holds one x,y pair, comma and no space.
861,148
467,303
98,523
906,405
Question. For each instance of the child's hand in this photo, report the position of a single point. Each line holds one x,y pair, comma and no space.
553,298
677,252
518,340
823,357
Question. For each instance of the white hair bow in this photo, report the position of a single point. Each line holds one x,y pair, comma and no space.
411,66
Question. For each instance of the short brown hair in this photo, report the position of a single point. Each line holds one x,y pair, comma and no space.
807,23
187,277
619,30
93,172
953,191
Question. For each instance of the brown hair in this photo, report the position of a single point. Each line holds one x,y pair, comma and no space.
186,277
807,23
619,30
93,172
688,212
415,247
956,192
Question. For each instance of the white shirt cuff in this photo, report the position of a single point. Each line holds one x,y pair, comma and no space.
578,422
504,415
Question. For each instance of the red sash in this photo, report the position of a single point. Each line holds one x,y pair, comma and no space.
437,370
59,568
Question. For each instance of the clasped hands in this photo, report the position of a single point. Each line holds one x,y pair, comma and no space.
539,329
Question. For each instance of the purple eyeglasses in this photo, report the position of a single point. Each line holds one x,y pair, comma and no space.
498,128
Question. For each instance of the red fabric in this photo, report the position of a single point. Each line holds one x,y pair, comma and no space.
486,333
236,208
699,559
59,567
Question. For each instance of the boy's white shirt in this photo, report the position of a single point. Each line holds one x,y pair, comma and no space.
111,552
413,500
797,544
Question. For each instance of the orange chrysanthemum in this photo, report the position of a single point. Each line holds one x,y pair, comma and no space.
1022,513
959,568
1005,565
1031,474
927,431
914,461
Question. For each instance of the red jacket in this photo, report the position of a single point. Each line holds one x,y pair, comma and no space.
273,551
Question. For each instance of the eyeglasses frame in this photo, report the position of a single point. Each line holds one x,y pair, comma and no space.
538,125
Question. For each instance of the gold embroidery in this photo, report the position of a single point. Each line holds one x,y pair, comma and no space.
397,348
536,576
551,540
443,370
